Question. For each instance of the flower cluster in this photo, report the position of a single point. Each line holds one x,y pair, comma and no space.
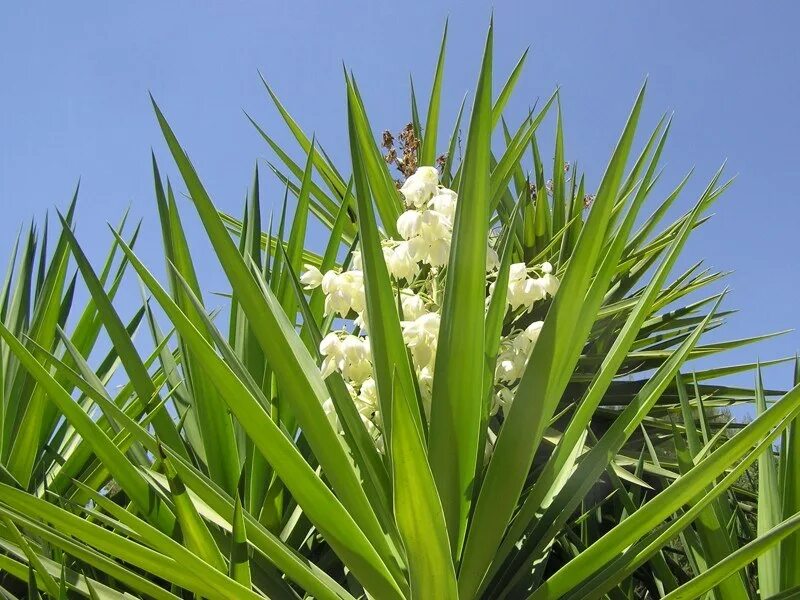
524,290
415,262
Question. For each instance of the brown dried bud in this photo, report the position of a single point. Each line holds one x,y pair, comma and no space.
387,140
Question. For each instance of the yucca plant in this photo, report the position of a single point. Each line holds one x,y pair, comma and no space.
482,388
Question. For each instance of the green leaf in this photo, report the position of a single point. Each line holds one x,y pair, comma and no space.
49,582
769,508
428,152
123,344
430,566
458,399
195,534
128,477
328,172
730,565
790,494
508,89
239,559
212,418
542,384
322,507
389,354
669,500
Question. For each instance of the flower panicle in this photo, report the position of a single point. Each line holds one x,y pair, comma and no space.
415,262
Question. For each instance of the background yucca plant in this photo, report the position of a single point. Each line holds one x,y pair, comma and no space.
206,465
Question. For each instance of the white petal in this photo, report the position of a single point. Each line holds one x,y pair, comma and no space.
330,345
409,224
517,272
550,284
328,366
329,281
311,277
439,252
533,330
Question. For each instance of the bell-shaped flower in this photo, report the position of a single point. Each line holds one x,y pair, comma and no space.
444,202
534,290
333,417
434,226
421,336
502,398
438,252
331,349
400,262
550,284
409,224
510,366
355,364
311,277
368,397
533,330
517,295
420,187
343,292
413,305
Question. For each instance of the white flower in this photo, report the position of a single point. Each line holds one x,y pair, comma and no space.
434,226
509,368
533,330
517,277
333,417
547,268
550,283
517,272
503,398
368,397
515,350
444,202
400,262
425,381
428,234
420,187
421,336
343,292
330,344
350,355
524,290
331,349
409,224
311,277
355,261
438,252
534,290
412,304
355,364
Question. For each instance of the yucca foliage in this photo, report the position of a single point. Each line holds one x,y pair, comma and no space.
482,387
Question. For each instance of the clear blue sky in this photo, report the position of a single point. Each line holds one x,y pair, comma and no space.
73,103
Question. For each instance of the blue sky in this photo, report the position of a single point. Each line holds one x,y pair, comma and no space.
74,104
